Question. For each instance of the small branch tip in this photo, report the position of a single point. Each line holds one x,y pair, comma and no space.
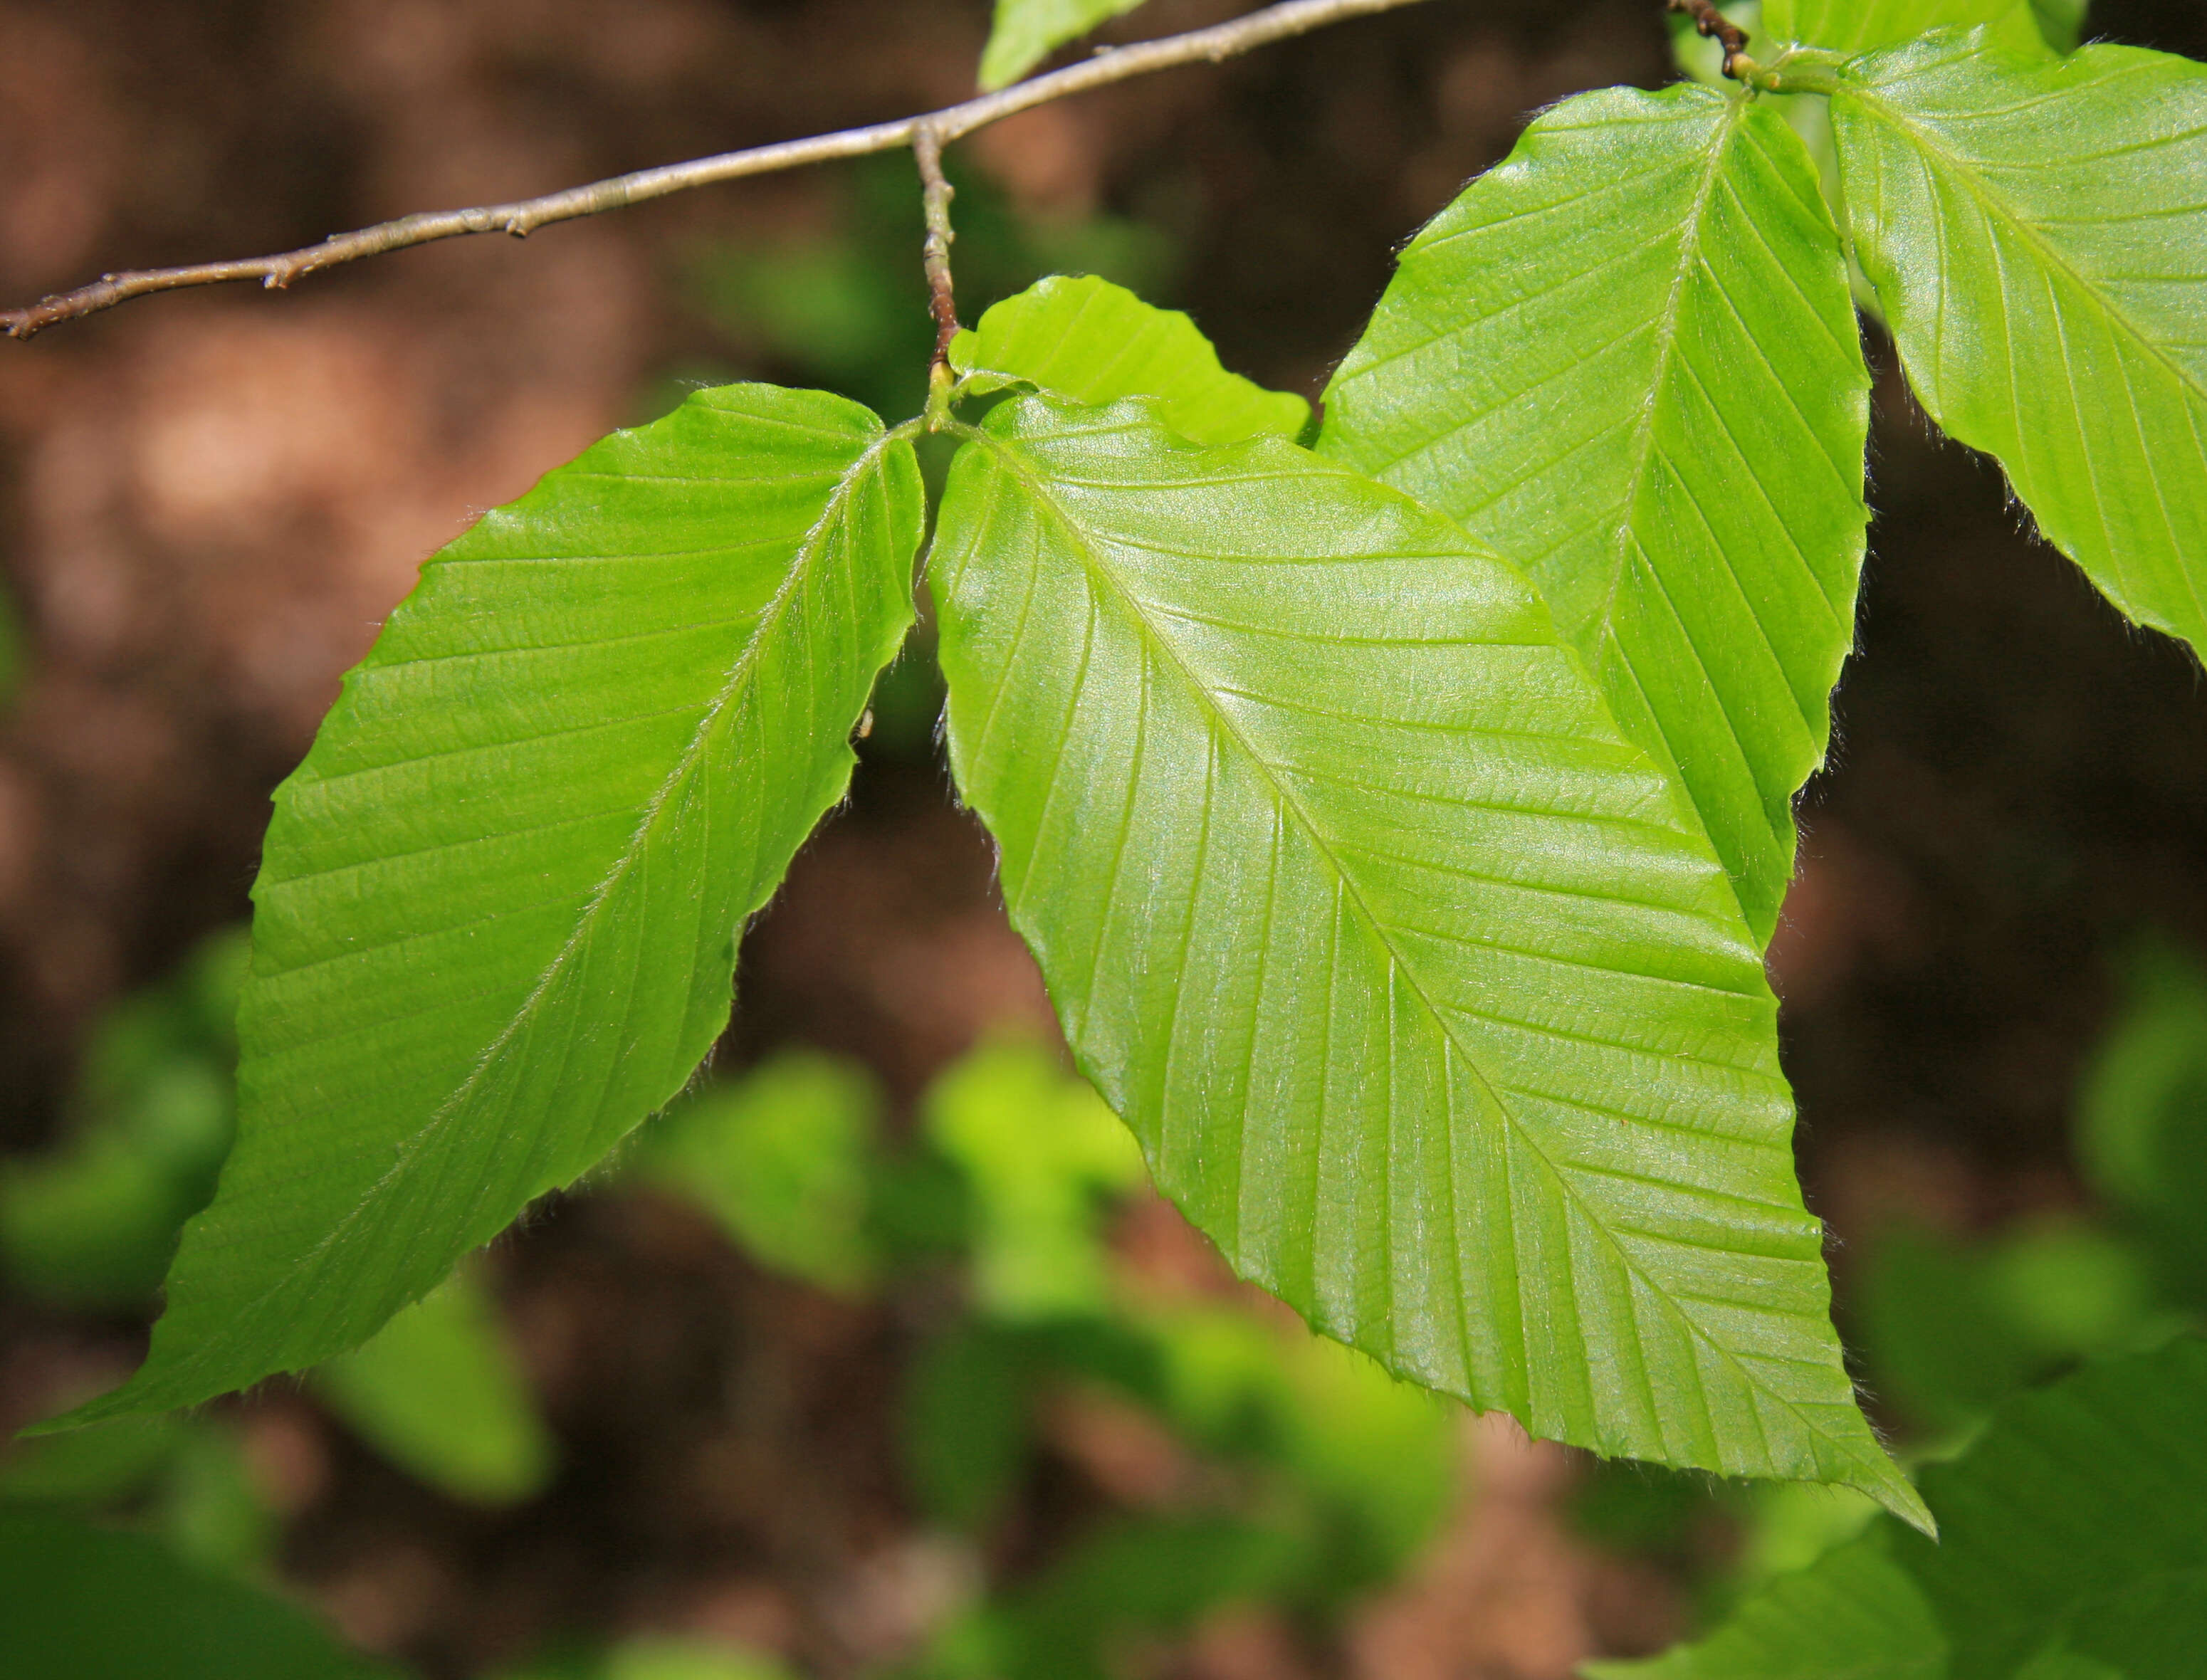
1714,25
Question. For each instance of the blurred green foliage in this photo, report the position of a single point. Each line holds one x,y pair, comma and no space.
1950,1326
1038,1150
2071,1546
81,1602
1311,1476
654,1658
183,1482
1301,1475
782,1161
438,1393
93,1222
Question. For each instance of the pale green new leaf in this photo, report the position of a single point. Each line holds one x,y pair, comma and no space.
1027,31
498,903
1396,956
1627,360
1079,337
2037,234
1865,26
1853,1614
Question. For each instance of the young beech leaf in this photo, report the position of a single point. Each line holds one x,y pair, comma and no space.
2037,236
1863,25
1027,31
2071,1528
1396,955
497,908
1086,339
1627,359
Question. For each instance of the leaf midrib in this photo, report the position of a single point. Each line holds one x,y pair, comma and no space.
813,544
1005,454
1643,443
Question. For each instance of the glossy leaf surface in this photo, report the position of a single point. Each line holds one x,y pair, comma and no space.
1027,31
1394,953
2037,234
498,903
1627,360
1865,26
1082,337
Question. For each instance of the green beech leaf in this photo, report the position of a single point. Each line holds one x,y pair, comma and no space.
498,903
1863,25
1392,952
1027,31
2037,236
2153,1630
2080,1489
81,1602
1627,359
439,1392
2071,1529
1853,1615
1086,339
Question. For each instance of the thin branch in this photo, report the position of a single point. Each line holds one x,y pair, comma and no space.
524,216
1714,26
937,192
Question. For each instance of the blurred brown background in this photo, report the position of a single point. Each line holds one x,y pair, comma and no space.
209,501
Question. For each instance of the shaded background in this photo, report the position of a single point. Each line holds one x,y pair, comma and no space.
209,501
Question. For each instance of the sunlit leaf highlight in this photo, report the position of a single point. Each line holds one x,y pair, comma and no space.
1627,359
1400,961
